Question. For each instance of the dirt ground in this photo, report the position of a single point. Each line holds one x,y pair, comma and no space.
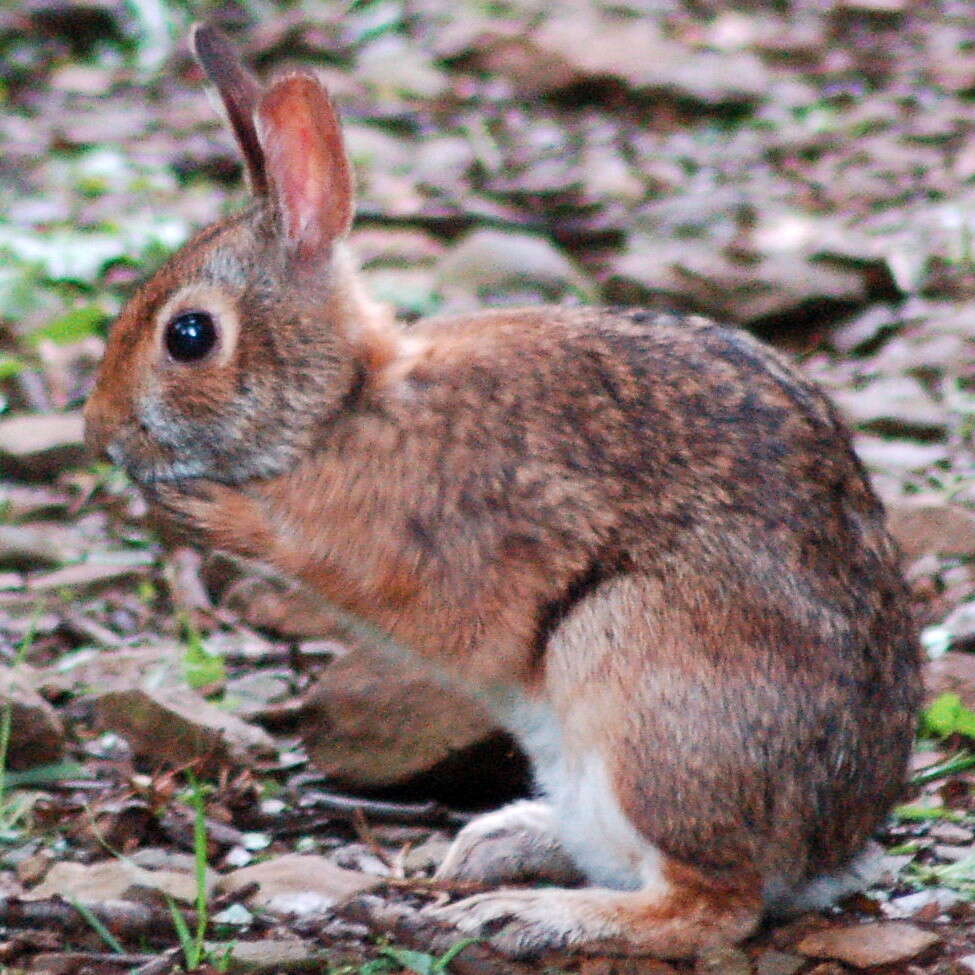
801,168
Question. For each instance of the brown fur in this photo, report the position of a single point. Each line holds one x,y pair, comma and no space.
650,527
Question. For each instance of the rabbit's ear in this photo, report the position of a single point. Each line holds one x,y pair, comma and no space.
307,169
238,91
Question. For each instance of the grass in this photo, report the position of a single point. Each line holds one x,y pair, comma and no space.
945,716
12,811
193,944
394,959
200,667
97,926
959,762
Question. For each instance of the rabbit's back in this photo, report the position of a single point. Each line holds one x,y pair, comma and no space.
676,430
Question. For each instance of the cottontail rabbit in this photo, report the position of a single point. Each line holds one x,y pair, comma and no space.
643,539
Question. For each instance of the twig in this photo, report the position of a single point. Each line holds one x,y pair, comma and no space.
161,964
228,897
177,824
365,833
78,625
75,960
402,813
128,919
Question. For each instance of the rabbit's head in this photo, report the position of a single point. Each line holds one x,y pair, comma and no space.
226,363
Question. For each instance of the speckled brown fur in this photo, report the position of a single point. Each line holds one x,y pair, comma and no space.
644,539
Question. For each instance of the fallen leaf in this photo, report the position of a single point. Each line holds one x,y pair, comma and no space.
108,880
36,731
866,945
176,726
298,883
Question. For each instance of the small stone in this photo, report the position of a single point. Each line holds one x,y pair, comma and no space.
951,853
774,962
236,914
929,902
959,624
866,945
238,856
725,960
929,524
951,833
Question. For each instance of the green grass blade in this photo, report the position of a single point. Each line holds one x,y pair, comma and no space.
451,953
200,860
97,926
186,942
44,774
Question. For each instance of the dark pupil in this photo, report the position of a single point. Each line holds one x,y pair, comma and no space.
190,336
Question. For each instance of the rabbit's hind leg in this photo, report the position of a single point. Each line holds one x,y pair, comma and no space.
677,914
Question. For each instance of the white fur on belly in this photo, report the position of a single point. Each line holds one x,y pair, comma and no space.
588,818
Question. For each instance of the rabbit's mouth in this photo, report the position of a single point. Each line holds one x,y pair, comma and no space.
169,475
154,472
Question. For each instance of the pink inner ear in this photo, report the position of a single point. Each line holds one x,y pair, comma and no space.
306,164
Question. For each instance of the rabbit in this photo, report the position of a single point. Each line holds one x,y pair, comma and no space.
642,539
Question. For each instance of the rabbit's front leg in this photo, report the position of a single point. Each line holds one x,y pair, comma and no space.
228,517
516,843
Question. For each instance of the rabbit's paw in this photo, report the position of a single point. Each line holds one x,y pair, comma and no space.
188,503
228,517
521,923
515,843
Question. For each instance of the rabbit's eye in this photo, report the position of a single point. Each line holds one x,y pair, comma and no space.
190,335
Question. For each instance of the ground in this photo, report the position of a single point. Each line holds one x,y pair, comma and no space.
805,169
